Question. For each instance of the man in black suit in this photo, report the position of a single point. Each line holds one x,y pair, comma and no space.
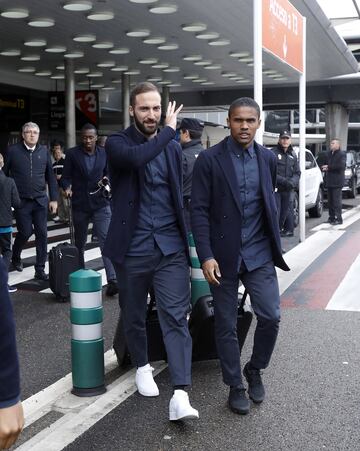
235,227
85,166
335,179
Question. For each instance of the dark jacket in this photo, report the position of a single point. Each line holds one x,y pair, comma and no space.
288,170
216,207
128,155
31,170
335,175
76,175
190,152
9,197
9,366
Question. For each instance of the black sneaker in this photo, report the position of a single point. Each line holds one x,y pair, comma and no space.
112,288
238,402
256,388
337,221
12,289
41,275
330,220
286,233
17,265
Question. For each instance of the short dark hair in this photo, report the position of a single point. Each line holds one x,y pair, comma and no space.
244,101
194,134
56,143
141,88
88,126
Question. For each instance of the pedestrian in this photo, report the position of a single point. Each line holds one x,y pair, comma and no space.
84,178
288,176
235,227
9,198
11,411
147,241
58,166
29,164
335,180
190,139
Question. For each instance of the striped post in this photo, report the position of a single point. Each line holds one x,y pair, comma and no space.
87,343
199,285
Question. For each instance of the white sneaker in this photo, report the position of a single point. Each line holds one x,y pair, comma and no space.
145,382
180,408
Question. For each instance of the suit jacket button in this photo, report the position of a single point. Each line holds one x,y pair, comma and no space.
130,203
123,222
221,236
225,216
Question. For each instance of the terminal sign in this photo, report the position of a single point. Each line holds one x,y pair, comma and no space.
282,29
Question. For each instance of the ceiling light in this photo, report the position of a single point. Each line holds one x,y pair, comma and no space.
132,72
174,85
164,9
74,54
213,66
239,54
106,64
148,61
30,58
154,40
200,80
83,82
58,77
97,85
208,35
56,49
270,71
138,33
245,80
119,68
101,15
219,42
192,58
27,69
246,59
15,13
35,42
143,1
82,70
84,38
280,78
78,5
41,22
11,52
168,46
172,69
116,80
228,74
103,45
108,88
274,75
43,73
60,67
165,82
160,65
154,79
94,74
236,77
190,76
119,51
203,63
208,83
194,27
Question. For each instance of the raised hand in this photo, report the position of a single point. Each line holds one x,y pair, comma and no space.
171,114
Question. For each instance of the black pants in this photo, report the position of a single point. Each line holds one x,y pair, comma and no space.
5,248
335,203
283,201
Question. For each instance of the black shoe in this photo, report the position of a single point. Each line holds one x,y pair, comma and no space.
12,289
238,402
286,233
256,388
17,264
112,288
330,220
41,275
337,222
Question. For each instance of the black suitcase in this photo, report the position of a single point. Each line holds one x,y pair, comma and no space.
63,260
201,326
155,342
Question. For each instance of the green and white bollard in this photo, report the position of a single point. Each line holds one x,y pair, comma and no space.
199,285
87,343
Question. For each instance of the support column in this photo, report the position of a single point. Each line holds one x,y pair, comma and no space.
336,124
125,99
70,125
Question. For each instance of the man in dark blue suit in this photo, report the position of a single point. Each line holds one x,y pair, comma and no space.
147,241
237,237
85,166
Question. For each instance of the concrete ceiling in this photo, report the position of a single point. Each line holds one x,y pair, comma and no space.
327,53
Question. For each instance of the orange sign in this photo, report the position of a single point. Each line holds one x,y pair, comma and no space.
282,29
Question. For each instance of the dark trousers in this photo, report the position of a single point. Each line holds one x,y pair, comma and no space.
289,224
282,203
334,196
187,204
5,248
263,288
101,220
169,276
31,216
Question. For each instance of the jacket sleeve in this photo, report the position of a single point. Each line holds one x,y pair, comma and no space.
51,180
66,177
15,199
9,366
124,155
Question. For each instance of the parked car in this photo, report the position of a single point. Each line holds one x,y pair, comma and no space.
352,172
314,195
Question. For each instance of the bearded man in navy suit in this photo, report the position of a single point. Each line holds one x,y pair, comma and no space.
235,227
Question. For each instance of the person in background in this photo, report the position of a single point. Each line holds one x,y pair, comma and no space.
190,140
288,176
335,179
58,166
85,167
9,198
236,233
29,164
11,411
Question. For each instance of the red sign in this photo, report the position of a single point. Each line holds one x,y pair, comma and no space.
282,30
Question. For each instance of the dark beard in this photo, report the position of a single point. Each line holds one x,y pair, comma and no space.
143,129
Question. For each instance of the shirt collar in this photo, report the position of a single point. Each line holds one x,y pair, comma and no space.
235,147
29,148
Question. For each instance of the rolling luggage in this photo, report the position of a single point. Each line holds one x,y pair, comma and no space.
63,260
201,326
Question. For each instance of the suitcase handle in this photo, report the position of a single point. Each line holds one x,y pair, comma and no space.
243,299
71,223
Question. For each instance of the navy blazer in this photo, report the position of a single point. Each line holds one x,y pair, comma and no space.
76,175
216,207
128,153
